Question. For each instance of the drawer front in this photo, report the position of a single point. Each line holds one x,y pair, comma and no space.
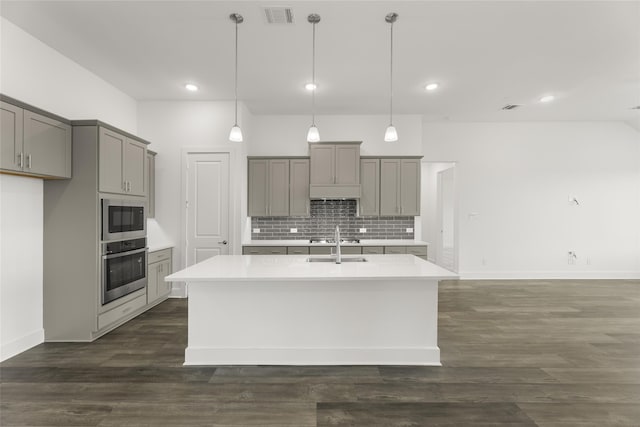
297,250
112,316
395,249
420,251
320,250
373,250
264,250
158,256
351,250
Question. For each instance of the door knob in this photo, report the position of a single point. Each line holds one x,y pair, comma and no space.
224,242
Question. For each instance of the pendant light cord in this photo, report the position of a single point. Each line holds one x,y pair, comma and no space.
236,88
313,77
391,80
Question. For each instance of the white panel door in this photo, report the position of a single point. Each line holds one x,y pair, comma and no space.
207,206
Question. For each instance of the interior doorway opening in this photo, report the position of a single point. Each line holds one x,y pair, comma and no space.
439,213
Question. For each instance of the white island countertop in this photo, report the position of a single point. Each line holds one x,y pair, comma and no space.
225,268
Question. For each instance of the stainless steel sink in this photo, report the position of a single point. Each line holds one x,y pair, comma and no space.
333,259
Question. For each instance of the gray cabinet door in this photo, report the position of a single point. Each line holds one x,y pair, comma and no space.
153,271
110,155
47,146
369,187
322,168
410,187
258,192
151,185
133,167
347,162
279,187
389,187
163,287
299,187
11,137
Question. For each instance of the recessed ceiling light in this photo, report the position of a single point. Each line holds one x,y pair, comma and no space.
311,86
547,98
191,87
432,86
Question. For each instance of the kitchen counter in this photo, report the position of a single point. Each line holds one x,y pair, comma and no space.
363,242
283,310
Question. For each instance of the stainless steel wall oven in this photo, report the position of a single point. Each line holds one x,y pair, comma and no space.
123,219
124,268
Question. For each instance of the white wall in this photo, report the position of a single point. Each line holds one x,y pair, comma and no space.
21,223
33,73
429,204
513,182
172,127
287,135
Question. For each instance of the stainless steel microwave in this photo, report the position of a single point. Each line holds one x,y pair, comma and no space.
123,219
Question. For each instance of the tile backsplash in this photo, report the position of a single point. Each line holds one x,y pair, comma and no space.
325,215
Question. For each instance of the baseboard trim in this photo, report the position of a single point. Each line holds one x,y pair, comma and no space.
418,356
17,346
549,275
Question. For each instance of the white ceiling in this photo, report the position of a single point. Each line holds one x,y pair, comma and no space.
483,54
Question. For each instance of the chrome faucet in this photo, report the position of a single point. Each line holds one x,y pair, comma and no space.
338,254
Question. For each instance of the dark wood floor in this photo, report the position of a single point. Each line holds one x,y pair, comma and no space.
545,353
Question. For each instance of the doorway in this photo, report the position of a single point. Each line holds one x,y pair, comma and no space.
439,213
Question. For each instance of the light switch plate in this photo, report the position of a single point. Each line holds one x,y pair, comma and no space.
294,230
256,230
363,230
409,230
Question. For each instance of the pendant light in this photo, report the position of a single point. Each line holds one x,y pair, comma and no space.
313,135
236,133
391,135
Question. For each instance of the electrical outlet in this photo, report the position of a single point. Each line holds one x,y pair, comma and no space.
484,261
588,261
363,230
256,230
571,258
294,230
409,230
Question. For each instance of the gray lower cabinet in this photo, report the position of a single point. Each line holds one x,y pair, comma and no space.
121,164
374,250
268,191
298,250
34,144
369,204
400,187
419,251
151,183
160,263
299,203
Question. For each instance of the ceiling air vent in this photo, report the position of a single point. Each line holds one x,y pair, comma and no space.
278,15
511,106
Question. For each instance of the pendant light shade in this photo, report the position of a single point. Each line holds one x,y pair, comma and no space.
391,135
313,135
236,133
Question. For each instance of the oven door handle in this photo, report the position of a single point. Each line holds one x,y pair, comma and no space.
121,254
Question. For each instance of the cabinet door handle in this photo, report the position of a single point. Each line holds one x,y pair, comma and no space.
19,160
28,161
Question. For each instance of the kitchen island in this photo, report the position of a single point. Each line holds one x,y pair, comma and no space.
285,310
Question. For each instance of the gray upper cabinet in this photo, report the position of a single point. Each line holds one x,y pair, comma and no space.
122,164
369,187
299,187
11,134
334,170
151,183
268,187
34,144
400,187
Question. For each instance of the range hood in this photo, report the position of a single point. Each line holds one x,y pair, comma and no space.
334,170
334,191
